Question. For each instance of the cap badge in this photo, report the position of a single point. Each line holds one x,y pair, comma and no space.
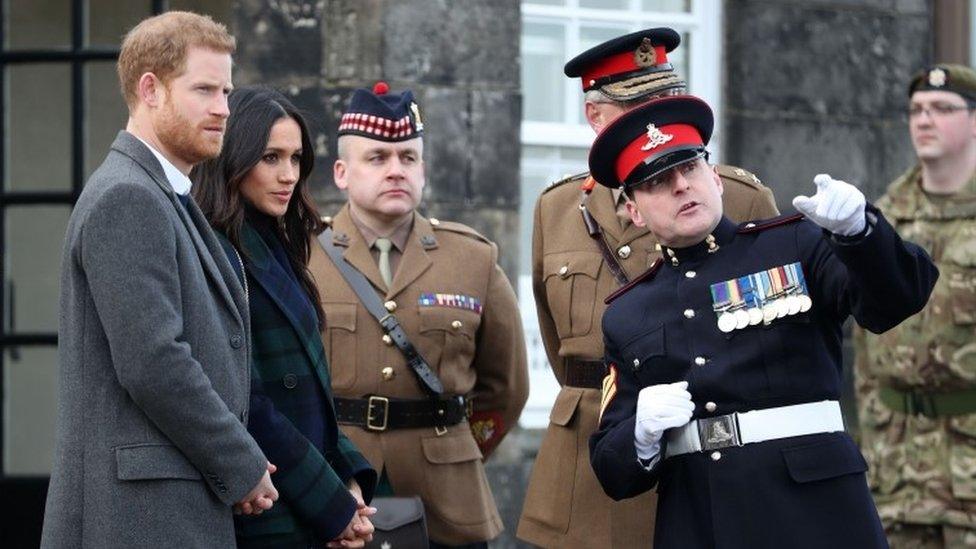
937,78
417,122
644,55
655,138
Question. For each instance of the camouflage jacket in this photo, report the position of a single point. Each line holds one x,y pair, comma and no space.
923,469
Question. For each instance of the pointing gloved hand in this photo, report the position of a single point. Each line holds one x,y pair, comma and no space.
837,206
660,407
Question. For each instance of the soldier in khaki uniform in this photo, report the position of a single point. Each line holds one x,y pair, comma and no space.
442,282
577,225
917,382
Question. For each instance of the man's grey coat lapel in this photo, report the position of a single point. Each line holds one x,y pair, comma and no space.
209,250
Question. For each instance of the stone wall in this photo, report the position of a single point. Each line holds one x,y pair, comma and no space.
459,58
820,86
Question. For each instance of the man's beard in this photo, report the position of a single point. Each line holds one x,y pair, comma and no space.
191,144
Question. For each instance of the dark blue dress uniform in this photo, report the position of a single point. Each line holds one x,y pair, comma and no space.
796,491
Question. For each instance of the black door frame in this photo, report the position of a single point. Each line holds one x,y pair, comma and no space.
22,508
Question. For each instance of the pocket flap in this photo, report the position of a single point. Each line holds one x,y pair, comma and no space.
456,448
565,406
340,315
392,513
645,346
574,262
829,458
153,461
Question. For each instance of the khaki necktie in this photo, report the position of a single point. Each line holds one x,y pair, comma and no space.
384,245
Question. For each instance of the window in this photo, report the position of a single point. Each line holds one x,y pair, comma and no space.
60,110
555,136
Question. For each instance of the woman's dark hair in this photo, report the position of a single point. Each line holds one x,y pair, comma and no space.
217,182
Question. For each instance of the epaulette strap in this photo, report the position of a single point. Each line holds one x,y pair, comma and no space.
459,228
759,226
637,280
738,174
567,179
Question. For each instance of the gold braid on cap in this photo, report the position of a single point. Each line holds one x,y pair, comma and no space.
642,85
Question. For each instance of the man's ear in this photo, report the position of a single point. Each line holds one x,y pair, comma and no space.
594,116
635,215
339,174
151,91
718,180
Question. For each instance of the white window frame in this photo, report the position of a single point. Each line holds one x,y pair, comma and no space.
703,25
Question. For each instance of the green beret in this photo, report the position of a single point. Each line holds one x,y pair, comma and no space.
946,77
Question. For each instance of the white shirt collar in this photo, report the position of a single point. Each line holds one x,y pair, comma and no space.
181,183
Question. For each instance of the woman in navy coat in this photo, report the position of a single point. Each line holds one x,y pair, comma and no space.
255,195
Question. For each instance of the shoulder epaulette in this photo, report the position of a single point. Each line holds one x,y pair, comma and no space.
646,275
567,179
459,228
764,224
738,174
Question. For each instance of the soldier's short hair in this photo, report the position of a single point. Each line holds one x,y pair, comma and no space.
159,45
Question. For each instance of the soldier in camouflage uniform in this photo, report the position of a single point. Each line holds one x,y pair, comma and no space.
917,382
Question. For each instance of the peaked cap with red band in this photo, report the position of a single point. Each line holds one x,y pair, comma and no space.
378,114
650,139
630,66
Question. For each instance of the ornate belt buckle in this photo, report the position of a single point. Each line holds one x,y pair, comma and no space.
719,432
381,403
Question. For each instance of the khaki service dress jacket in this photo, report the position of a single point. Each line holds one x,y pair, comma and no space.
565,505
475,351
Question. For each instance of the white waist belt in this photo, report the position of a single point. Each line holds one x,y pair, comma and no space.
756,426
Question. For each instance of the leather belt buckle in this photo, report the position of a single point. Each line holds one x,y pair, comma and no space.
377,402
719,432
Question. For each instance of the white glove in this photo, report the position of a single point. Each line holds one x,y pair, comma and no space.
837,206
660,407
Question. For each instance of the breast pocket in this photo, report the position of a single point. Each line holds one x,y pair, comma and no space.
340,342
646,354
449,340
571,287
953,310
787,354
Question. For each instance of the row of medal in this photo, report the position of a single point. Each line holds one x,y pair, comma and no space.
457,301
760,297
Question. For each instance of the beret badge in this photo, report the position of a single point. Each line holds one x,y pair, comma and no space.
655,138
644,55
937,78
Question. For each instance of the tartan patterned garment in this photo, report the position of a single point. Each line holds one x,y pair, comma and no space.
291,413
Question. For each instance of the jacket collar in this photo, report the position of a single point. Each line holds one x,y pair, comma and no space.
905,199
208,249
414,262
720,236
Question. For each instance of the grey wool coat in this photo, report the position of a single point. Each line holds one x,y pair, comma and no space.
152,449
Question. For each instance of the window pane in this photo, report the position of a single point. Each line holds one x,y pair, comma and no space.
667,5
33,237
109,20
679,58
106,112
38,140
543,54
37,24
605,4
29,409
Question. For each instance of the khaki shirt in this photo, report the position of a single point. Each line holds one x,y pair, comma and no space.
479,352
565,506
